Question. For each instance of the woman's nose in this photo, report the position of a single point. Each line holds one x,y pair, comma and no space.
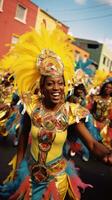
56,86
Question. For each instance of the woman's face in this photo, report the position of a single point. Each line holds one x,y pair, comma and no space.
54,89
108,88
80,93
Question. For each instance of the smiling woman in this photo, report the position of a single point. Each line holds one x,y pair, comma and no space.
53,91
44,173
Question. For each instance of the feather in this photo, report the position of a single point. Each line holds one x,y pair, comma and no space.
21,59
51,191
99,77
23,190
75,182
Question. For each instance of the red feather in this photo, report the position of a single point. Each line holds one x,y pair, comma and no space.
51,190
75,147
76,182
23,190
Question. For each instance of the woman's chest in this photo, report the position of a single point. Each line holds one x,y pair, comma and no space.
49,120
49,127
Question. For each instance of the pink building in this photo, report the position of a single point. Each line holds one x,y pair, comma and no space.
16,17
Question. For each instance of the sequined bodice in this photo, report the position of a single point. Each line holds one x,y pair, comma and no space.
102,108
51,121
48,124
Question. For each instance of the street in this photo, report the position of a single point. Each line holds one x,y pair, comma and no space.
97,174
93,172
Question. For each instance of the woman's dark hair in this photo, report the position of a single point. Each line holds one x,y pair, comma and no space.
102,90
42,83
6,83
79,87
8,79
69,97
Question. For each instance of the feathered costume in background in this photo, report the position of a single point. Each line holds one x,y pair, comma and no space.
101,107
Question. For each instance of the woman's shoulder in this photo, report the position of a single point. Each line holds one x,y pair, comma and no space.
31,102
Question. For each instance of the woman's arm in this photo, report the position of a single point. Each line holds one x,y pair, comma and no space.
23,138
97,148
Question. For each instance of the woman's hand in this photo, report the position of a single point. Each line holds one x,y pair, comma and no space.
108,158
102,152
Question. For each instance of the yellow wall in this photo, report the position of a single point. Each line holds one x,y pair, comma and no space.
50,22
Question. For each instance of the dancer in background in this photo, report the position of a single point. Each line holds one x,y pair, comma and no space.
14,120
101,109
10,108
79,96
6,89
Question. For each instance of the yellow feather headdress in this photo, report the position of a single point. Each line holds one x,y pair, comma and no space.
100,77
26,56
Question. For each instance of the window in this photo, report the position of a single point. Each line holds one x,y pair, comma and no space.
21,13
93,46
84,58
104,60
1,5
44,22
77,56
110,69
108,62
14,39
111,64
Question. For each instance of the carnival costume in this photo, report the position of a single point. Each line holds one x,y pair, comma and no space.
14,120
6,89
45,174
103,118
81,83
101,108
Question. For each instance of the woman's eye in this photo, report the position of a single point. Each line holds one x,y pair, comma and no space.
61,83
49,84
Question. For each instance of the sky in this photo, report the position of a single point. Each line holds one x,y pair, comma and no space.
88,19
